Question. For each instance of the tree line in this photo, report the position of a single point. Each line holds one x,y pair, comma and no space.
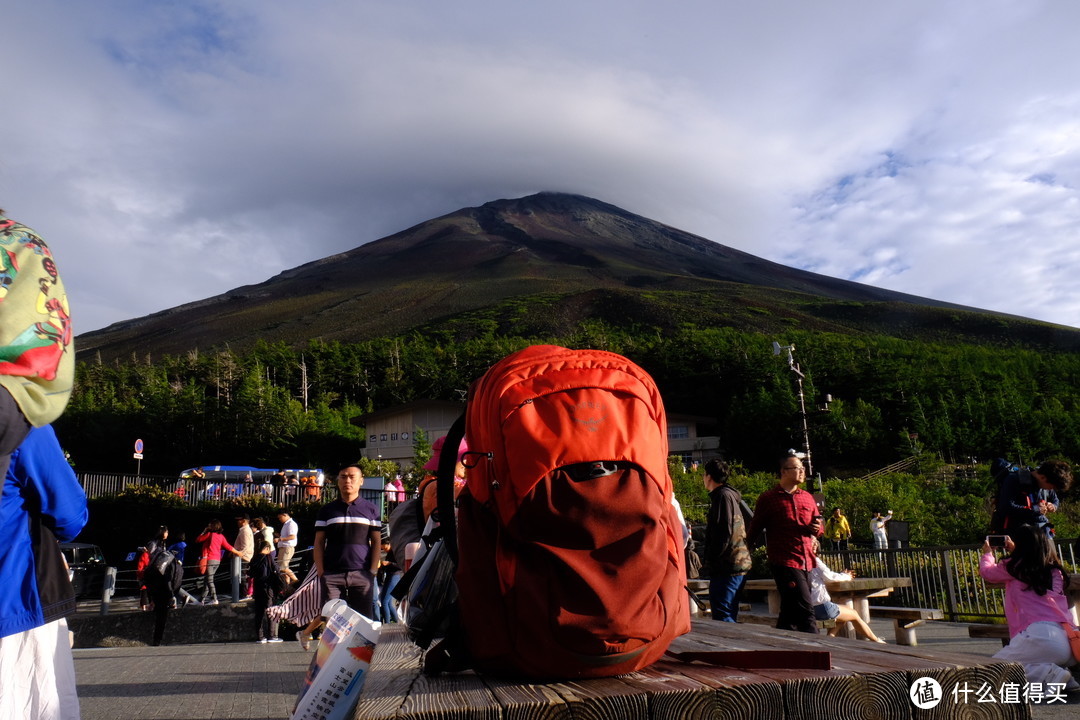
277,406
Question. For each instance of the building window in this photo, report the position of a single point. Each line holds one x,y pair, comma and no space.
382,438
678,432
393,436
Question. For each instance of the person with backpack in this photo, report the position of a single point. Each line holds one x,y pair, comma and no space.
838,530
179,550
41,503
143,562
1026,497
267,583
789,517
726,551
158,571
1042,635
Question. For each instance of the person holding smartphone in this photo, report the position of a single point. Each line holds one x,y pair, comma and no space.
877,529
1027,497
1036,606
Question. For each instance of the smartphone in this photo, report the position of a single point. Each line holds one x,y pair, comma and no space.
996,541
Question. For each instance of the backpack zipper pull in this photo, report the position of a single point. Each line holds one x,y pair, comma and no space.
490,457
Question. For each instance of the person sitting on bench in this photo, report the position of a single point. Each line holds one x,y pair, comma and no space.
826,609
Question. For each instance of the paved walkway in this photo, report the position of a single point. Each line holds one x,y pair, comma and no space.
248,681
244,681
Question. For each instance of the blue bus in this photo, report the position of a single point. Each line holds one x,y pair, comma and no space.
218,482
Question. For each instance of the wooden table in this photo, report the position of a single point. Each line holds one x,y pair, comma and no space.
855,593
866,681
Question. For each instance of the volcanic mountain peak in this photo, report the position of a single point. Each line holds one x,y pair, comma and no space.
550,244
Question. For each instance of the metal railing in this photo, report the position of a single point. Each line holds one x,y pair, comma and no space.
941,577
97,484
898,466
230,575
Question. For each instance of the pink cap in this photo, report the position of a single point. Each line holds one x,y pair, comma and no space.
436,448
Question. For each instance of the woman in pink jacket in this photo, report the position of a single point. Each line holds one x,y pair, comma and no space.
212,544
1035,606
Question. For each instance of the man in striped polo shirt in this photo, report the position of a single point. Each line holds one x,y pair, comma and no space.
347,545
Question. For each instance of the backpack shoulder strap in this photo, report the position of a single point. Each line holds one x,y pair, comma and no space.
444,490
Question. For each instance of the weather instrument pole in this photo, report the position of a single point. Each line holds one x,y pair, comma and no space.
777,349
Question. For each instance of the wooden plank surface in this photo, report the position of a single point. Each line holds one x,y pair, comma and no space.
866,681
393,671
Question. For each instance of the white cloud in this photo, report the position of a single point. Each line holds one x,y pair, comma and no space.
172,151
992,223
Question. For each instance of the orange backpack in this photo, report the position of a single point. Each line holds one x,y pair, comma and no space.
570,561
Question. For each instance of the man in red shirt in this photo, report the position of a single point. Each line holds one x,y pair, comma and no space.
791,520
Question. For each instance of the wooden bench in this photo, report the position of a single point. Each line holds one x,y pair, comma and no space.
865,681
989,630
906,620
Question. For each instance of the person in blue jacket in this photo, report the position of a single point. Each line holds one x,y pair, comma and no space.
42,505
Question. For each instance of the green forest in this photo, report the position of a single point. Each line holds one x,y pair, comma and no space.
950,404
280,406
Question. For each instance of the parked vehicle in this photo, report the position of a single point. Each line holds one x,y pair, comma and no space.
86,567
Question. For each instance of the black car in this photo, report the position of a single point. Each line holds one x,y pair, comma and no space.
87,566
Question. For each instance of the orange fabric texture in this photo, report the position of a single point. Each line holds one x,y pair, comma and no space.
563,574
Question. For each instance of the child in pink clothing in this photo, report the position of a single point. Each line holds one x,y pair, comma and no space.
1035,605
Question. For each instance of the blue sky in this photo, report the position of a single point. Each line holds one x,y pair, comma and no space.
170,151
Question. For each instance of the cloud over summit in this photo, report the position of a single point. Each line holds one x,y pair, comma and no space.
172,151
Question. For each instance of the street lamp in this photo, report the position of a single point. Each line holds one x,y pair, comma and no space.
777,349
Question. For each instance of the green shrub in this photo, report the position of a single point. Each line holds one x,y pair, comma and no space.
150,496
258,505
